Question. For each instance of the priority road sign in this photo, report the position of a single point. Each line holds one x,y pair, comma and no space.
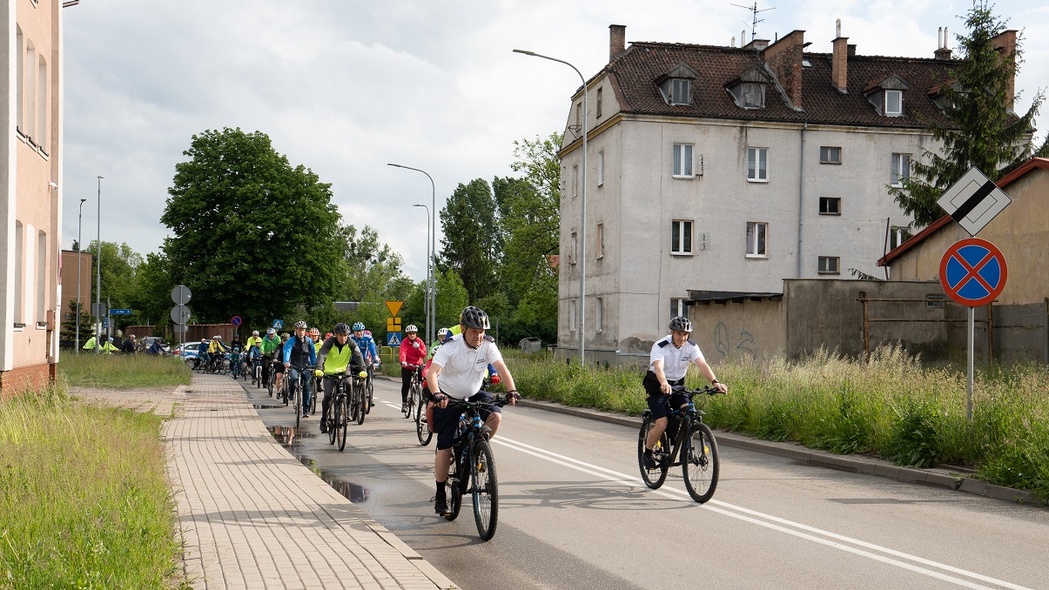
973,201
973,272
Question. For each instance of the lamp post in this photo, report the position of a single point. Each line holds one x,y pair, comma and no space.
98,272
429,320
433,246
79,256
582,215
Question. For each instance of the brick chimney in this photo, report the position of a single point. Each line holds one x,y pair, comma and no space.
1005,43
784,59
942,51
839,65
616,40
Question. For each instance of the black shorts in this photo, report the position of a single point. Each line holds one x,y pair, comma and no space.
658,402
446,420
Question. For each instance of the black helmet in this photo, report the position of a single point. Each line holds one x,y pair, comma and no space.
341,328
680,324
474,317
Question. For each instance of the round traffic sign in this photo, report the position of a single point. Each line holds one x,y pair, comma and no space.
180,314
236,321
181,294
973,272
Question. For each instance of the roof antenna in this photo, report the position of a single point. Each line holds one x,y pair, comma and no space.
755,20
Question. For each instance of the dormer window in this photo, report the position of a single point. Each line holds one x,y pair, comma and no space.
676,85
887,96
748,91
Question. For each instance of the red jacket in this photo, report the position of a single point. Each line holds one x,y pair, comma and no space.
413,352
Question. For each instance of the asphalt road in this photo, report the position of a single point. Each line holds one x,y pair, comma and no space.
574,514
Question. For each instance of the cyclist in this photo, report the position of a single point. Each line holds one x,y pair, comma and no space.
413,357
299,355
668,364
270,347
216,350
336,354
364,341
253,340
315,335
457,371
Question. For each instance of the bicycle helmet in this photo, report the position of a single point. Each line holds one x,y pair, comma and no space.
271,331
341,328
315,332
680,324
300,325
411,329
254,332
442,334
358,326
474,317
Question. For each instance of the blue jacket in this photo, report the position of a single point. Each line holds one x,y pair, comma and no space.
295,351
367,346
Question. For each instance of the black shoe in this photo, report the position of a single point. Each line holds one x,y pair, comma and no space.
324,426
440,506
650,462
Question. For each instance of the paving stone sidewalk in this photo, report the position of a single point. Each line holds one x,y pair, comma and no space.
252,516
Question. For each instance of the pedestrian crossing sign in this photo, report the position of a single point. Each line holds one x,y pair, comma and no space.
393,339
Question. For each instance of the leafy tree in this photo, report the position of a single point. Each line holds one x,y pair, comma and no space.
451,298
471,241
373,268
252,235
151,297
980,132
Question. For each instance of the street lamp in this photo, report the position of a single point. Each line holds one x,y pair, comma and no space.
582,216
433,247
98,272
429,320
79,256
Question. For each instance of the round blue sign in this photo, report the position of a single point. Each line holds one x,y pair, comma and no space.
973,272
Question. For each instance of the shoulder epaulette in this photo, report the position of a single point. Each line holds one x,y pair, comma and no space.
663,343
692,342
489,338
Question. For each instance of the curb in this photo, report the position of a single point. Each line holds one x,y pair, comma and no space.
938,477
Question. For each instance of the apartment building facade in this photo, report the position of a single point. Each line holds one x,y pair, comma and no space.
30,201
718,172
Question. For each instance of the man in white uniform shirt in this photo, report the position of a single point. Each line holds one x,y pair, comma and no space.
458,371
668,364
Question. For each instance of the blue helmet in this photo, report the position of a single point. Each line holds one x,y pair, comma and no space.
358,326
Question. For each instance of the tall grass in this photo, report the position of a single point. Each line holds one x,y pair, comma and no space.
120,371
84,497
888,405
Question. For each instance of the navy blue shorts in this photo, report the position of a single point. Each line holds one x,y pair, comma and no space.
446,420
658,402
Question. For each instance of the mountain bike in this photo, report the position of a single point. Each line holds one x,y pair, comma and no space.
359,397
422,420
415,391
298,394
473,467
694,448
339,418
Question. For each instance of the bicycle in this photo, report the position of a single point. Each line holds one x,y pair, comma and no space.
694,448
422,420
359,398
473,467
339,420
256,373
298,394
415,388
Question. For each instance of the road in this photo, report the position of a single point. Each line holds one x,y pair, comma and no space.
574,514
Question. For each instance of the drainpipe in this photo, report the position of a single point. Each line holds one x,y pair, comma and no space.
801,198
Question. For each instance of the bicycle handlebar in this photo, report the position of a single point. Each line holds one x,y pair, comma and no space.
707,390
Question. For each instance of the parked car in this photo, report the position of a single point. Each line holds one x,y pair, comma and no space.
190,351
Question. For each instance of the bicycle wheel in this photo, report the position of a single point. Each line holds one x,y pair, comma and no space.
409,405
284,390
358,391
371,395
270,381
422,429
341,424
699,463
485,488
455,486
332,419
653,478
298,399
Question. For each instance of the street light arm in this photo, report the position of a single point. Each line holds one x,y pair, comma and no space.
431,267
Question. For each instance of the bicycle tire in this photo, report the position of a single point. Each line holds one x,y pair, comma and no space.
653,478
342,424
298,400
333,421
358,390
699,463
455,487
409,404
422,429
485,488
284,390
351,401
270,381
370,396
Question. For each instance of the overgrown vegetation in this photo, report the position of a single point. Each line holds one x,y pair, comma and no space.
889,406
88,369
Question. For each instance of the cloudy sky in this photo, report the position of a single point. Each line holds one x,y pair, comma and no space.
346,86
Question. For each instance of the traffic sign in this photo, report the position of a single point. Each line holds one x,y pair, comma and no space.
181,294
180,314
394,307
973,201
120,312
278,324
236,321
973,272
393,339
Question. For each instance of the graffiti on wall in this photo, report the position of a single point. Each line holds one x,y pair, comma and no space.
732,345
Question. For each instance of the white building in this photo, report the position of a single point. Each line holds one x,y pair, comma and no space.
30,205
717,172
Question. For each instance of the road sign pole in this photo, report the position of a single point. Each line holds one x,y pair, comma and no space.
970,352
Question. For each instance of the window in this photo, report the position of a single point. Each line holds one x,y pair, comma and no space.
901,169
677,307
575,180
574,249
597,108
830,205
680,91
600,167
756,236
20,66
599,315
683,160
828,265
600,240
893,103
681,238
41,106
757,162
41,278
897,235
830,154
19,267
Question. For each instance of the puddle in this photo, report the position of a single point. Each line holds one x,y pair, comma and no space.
287,435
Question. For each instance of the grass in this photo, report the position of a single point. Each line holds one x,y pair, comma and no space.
84,497
121,371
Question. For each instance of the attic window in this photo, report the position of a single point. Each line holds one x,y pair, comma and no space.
887,96
893,103
676,85
748,91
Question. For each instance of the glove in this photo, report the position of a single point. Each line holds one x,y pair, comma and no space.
405,365
495,380
513,396
318,373
363,374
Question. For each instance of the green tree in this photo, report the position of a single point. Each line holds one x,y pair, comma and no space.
471,240
373,268
151,297
251,234
119,280
980,131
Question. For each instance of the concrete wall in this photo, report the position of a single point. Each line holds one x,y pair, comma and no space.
736,331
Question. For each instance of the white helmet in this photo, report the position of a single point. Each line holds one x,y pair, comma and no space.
411,329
